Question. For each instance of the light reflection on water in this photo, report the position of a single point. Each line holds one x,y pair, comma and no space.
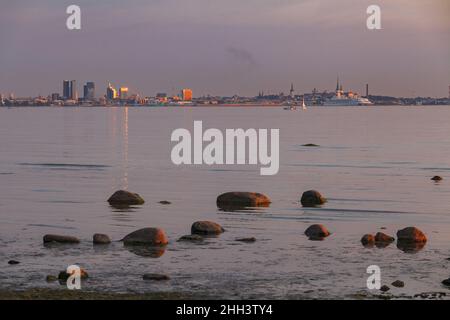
59,165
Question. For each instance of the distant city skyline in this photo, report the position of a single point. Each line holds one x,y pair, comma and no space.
226,47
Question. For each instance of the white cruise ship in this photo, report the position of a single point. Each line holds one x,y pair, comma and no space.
342,99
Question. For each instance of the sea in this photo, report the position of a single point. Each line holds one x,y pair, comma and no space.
59,165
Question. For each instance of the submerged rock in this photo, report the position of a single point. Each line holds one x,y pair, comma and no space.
242,199
446,282
55,238
436,178
155,277
151,236
206,228
164,202
411,235
398,284
123,197
13,262
251,239
317,232
382,237
51,278
385,288
99,238
312,198
368,240
191,237
310,145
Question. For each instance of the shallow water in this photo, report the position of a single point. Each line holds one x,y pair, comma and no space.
59,165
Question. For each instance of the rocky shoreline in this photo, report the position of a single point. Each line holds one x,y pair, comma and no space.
409,239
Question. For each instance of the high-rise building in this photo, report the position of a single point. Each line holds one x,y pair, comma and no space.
89,91
73,90
66,89
70,90
123,93
111,92
186,94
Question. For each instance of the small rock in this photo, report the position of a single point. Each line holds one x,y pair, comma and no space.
152,236
13,262
51,278
242,199
48,238
384,288
252,239
436,178
382,237
123,197
317,232
206,228
398,284
63,275
446,282
368,240
312,198
155,277
411,235
191,237
310,145
164,202
99,238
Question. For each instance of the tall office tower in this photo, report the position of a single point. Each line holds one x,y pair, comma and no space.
89,91
186,94
70,90
111,92
73,90
123,93
66,89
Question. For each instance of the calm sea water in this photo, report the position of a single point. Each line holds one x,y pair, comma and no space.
59,165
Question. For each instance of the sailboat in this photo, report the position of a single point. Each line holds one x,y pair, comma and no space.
303,104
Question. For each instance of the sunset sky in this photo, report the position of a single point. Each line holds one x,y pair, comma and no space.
226,47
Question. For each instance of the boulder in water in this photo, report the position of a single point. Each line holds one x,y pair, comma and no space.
55,238
242,199
317,232
150,236
125,198
206,228
312,198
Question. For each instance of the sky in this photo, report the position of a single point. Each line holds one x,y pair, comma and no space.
226,47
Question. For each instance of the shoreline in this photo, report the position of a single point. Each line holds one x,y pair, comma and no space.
65,294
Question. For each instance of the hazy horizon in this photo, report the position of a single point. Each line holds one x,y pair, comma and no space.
226,47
